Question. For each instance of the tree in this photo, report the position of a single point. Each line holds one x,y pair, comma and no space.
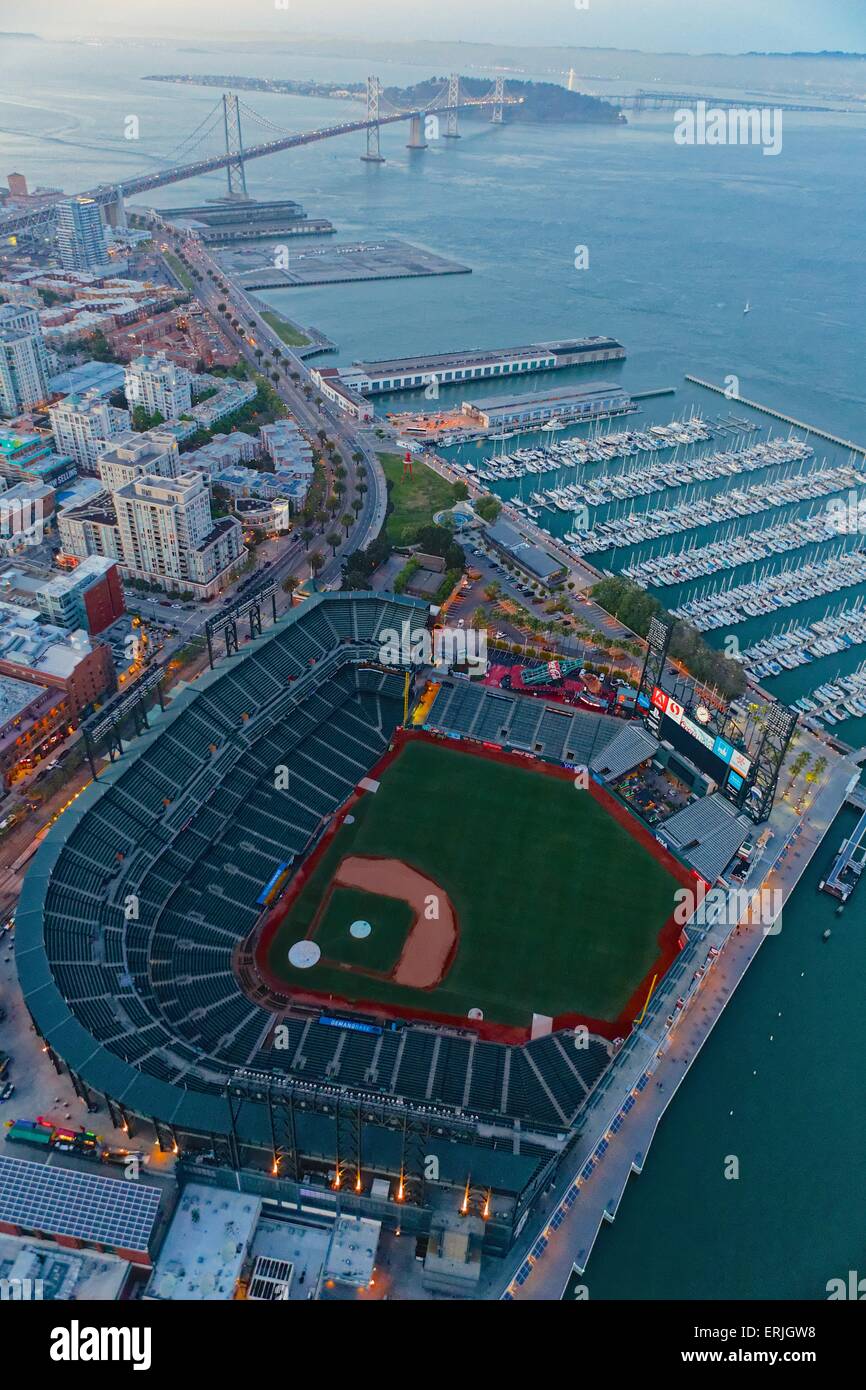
316,563
307,534
290,583
333,538
488,507
321,518
347,521
357,505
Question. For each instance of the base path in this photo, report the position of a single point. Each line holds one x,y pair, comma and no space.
432,941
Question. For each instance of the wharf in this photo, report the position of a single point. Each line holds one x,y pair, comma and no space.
848,864
779,415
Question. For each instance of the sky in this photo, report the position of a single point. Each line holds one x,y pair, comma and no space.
690,26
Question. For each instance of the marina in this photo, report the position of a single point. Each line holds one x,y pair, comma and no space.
692,512
779,415
792,585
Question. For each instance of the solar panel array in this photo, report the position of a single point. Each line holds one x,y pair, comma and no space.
64,1202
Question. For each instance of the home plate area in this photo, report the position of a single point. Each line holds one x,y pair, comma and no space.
380,917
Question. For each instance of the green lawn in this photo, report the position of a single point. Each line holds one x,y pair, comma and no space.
415,500
389,917
287,331
559,908
180,271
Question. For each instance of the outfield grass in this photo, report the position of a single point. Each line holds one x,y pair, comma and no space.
287,331
559,908
414,500
389,917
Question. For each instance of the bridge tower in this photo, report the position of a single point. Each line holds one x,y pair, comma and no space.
372,153
498,96
115,211
235,173
451,132
416,139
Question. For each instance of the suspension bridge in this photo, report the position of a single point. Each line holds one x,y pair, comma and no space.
231,118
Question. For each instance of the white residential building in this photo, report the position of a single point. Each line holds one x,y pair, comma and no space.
81,234
131,455
23,359
84,425
168,536
158,385
160,530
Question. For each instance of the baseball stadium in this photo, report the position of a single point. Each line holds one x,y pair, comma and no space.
338,927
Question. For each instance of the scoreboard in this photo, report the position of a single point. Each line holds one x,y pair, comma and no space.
723,761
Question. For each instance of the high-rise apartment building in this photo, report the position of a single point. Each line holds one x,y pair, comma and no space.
158,386
81,234
84,425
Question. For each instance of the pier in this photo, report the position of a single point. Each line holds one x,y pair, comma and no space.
450,368
779,415
848,865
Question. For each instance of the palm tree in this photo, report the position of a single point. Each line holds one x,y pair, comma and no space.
333,538
321,518
340,470
307,534
347,521
357,505
357,456
316,563
362,488
339,488
221,308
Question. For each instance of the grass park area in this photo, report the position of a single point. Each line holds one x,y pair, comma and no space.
558,907
415,499
289,334
180,270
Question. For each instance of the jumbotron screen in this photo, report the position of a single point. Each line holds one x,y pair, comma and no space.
714,755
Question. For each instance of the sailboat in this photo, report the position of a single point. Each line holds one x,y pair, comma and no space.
748,308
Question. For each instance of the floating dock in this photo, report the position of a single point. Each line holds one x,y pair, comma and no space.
848,865
452,368
779,415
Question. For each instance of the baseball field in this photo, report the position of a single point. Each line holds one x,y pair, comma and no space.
472,883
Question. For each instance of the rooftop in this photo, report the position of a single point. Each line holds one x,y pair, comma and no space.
104,377
63,1274
15,696
555,395
65,1202
27,641
206,1245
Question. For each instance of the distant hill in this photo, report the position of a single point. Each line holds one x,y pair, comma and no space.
542,101
37,37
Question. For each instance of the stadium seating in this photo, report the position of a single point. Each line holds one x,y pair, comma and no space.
158,881
556,732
